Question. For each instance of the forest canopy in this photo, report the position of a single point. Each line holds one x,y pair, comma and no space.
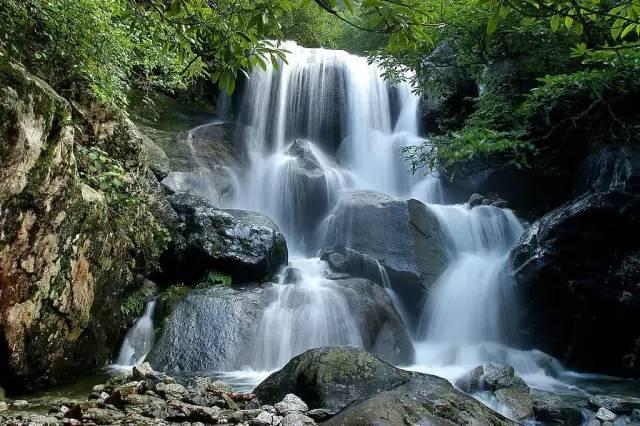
568,62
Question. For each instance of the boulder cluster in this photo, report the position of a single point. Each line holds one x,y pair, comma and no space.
147,397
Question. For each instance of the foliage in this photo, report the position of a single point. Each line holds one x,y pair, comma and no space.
128,200
132,307
109,45
310,27
215,278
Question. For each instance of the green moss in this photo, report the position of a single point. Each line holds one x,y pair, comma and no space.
167,301
340,365
132,307
215,278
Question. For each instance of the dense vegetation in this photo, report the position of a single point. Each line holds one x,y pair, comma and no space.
543,66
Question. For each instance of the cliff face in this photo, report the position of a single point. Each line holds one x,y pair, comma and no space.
63,264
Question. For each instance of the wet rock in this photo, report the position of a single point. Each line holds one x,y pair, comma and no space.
20,404
497,377
171,390
381,329
158,160
616,404
554,408
331,377
635,414
320,414
3,406
611,168
197,183
141,372
290,403
475,199
247,245
292,276
403,236
576,269
297,419
308,189
470,382
517,400
102,416
211,329
605,415
265,418
422,400
508,388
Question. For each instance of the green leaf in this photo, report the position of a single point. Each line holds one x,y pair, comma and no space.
555,23
492,25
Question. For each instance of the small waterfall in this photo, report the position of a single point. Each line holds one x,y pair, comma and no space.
305,314
139,339
469,302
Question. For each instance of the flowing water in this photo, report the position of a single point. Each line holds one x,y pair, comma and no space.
139,339
354,125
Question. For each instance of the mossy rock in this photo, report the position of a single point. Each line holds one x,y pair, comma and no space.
331,377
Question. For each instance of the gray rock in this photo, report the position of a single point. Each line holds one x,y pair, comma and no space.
265,418
611,168
308,189
601,231
605,415
403,236
102,416
157,158
616,404
20,403
331,377
196,183
381,329
3,406
292,276
424,400
290,403
475,199
297,419
517,400
496,377
141,372
470,382
553,408
247,245
211,329
320,414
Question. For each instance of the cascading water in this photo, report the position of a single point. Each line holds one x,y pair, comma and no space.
139,339
326,121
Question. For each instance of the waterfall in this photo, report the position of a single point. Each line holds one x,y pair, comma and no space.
468,302
325,121
139,339
306,314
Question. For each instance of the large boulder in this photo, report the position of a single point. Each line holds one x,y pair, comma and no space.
63,263
611,168
247,245
370,391
504,385
381,328
577,270
331,377
210,330
403,236
220,328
